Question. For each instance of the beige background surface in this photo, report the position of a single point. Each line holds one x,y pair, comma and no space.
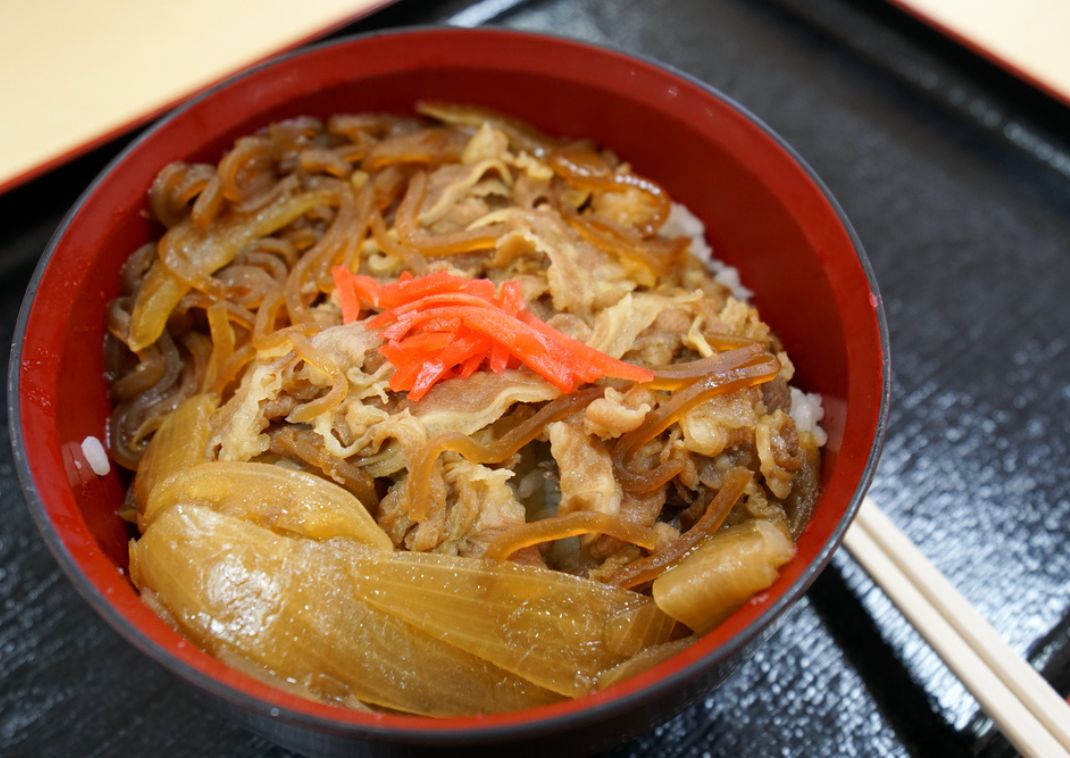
72,71
1031,35
76,71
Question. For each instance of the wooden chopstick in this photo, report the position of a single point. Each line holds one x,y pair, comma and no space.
1022,704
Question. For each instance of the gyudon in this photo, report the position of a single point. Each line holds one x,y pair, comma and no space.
442,415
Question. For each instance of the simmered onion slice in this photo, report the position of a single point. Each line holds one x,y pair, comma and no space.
288,605
723,574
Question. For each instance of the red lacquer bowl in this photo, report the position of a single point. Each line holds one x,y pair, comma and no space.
765,212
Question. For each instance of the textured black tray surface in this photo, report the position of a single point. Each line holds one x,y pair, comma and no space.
957,183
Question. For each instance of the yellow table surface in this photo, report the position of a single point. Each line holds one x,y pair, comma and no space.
1031,37
74,73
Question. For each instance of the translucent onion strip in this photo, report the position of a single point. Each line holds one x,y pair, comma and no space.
646,260
412,258
273,497
676,376
645,569
175,186
222,343
583,168
642,661
468,241
570,525
723,574
306,445
201,252
734,370
553,629
179,443
522,136
288,605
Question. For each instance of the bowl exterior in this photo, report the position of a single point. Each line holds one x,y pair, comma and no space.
765,212
586,737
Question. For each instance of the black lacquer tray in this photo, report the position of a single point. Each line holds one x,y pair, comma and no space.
957,179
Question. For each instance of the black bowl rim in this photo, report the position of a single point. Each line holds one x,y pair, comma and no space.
475,735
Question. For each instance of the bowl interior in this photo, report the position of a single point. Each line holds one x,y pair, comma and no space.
764,213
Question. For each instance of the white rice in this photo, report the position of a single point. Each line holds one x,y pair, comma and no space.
683,223
806,409
96,456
